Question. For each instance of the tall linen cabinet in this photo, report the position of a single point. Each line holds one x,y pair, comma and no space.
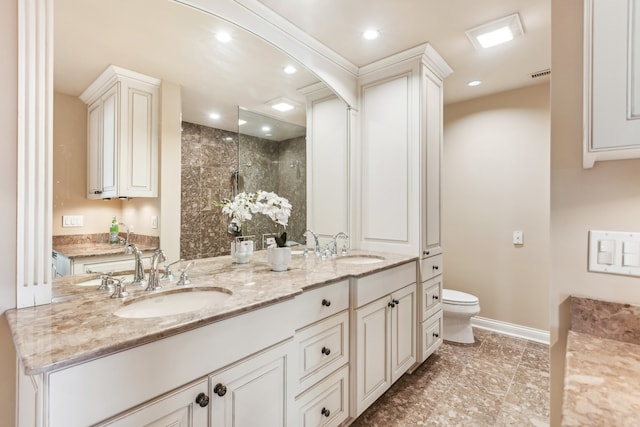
397,176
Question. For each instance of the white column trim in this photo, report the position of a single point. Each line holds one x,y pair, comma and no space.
35,148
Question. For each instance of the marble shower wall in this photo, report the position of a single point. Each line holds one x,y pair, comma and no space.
209,158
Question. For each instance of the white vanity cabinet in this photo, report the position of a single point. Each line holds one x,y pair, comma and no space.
252,392
321,378
430,307
161,381
122,134
180,408
385,322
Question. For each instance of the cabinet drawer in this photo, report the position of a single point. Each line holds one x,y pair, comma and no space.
431,334
321,303
327,403
321,349
431,267
431,297
377,285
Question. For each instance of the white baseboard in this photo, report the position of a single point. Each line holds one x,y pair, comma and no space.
511,329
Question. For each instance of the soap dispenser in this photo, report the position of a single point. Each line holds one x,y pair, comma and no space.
113,231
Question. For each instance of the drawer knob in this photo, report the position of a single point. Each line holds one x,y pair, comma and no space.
220,390
326,351
391,304
425,252
435,267
325,412
202,400
395,301
436,297
436,335
326,302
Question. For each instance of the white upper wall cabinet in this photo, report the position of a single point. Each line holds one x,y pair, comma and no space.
611,80
122,135
397,197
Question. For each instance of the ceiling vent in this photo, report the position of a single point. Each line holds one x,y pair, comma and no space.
542,73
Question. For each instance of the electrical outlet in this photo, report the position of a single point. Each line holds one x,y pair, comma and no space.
154,221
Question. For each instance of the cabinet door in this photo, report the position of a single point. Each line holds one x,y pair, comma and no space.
431,297
432,160
373,340
403,331
94,148
109,136
175,409
251,393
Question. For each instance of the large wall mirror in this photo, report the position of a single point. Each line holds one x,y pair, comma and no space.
182,47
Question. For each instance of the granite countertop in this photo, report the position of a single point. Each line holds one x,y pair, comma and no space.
81,250
601,382
602,364
81,326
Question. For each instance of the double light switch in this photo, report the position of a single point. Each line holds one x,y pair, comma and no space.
614,252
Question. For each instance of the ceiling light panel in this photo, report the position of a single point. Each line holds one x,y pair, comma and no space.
496,32
371,34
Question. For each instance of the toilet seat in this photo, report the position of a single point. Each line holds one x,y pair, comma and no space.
450,296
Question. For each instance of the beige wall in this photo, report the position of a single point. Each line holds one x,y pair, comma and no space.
8,170
70,179
606,197
496,180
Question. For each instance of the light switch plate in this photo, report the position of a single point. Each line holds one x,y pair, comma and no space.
614,252
72,221
518,237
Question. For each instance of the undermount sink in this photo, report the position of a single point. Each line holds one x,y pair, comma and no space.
96,282
173,302
359,259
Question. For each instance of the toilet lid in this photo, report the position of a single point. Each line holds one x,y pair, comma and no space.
450,296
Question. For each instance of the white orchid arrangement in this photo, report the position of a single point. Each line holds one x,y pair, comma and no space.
244,205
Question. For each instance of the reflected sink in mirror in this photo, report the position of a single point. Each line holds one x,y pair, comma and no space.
359,259
173,302
128,278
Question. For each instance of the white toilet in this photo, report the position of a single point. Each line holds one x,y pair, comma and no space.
458,308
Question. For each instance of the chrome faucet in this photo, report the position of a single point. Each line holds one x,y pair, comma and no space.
184,279
168,274
154,283
334,243
316,244
138,270
127,241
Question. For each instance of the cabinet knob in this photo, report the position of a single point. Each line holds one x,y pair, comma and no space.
391,305
436,297
326,351
395,301
425,252
435,267
436,335
325,412
220,390
326,302
202,400
97,192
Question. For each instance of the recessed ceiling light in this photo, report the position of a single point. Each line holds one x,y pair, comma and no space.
266,128
370,34
290,69
267,134
223,37
214,116
241,122
474,83
496,32
283,104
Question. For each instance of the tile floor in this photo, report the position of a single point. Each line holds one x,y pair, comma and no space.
498,381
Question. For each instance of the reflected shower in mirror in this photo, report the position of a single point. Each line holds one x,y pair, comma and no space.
272,157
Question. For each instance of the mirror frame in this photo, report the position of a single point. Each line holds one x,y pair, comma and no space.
35,117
